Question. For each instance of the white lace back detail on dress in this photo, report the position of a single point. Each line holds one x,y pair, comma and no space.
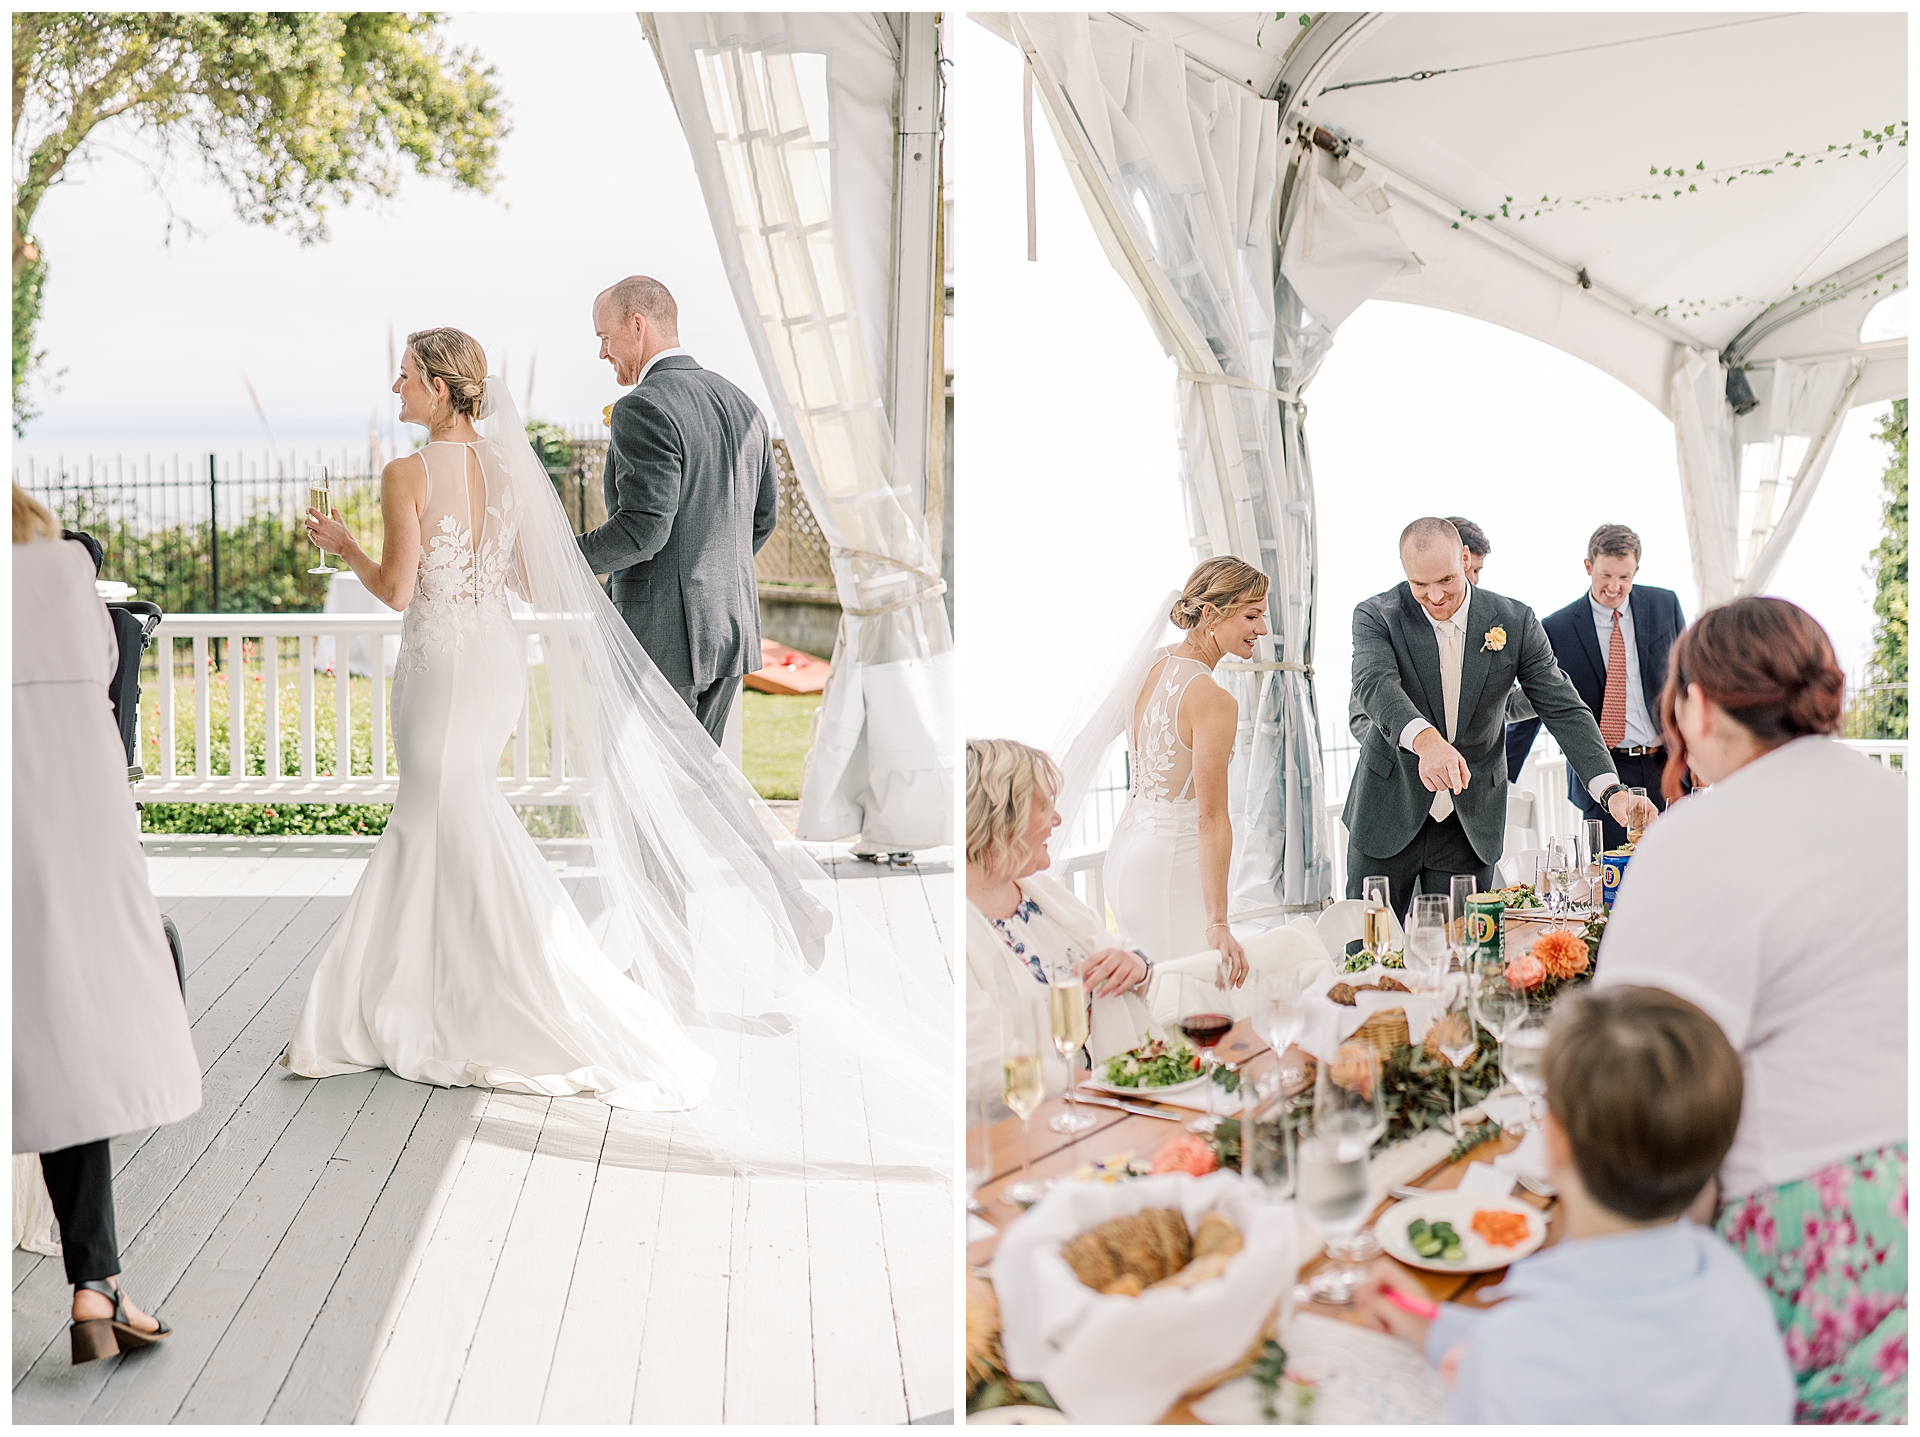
463,574
1162,764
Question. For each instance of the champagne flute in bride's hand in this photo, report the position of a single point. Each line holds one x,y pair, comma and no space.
320,497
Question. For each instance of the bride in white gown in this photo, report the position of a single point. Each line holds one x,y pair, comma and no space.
461,960
1171,854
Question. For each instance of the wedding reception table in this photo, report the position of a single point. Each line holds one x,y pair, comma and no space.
1056,1156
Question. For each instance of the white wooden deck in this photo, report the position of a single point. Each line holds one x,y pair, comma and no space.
367,1249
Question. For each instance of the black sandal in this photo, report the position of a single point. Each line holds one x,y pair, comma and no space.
98,1337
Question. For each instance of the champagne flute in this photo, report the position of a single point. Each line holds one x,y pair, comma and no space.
1460,888
1497,1004
320,496
1023,1085
1067,1023
1560,867
1331,1181
1427,936
1280,1019
1454,1031
1378,940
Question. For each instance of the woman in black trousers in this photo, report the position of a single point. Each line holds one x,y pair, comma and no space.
101,1044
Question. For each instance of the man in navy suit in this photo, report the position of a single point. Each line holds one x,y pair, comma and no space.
1613,642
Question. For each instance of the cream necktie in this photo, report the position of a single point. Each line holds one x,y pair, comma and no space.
1450,700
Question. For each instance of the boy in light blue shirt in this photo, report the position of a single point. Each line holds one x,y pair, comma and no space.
1636,1315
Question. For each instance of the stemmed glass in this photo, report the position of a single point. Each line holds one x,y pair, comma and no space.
1067,1023
1267,1143
1427,936
1454,1030
1497,1004
1523,1057
1331,1167
1205,1030
320,496
1378,939
1560,868
1022,1085
1280,1018
1595,867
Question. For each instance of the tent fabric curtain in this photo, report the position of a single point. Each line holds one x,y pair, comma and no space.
1796,401
791,122
1178,171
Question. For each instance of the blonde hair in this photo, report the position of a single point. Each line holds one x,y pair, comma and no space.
456,359
1003,777
1223,585
32,519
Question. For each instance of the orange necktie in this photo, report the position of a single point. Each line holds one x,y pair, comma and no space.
1613,708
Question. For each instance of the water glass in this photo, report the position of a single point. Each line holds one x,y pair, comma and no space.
1560,870
1331,1167
1267,1158
1460,888
1454,1031
1523,1058
1427,935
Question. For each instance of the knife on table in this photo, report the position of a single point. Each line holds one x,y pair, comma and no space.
1127,1107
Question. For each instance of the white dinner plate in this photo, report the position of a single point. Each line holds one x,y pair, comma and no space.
1019,1417
1458,1209
1119,1092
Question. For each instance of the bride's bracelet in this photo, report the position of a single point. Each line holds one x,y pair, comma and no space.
1212,926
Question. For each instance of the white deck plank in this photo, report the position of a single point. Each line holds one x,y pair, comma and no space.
419,1372
506,1370
684,1342
856,1348
597,1358
919,1225
202,1305
942,893
330,1375
254,1356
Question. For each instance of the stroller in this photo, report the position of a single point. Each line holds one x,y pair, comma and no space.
134,623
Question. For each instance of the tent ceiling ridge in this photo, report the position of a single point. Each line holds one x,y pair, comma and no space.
1837,285
1576,277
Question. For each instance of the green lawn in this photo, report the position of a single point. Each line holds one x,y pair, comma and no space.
773,740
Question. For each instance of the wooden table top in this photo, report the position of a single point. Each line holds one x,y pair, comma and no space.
1055,1156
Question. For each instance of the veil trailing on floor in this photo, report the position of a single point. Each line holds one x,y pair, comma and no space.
1093,730
833,1051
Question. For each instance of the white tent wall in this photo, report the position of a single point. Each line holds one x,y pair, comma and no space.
815,139
1178,170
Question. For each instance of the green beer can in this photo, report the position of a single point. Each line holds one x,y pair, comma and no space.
1486,928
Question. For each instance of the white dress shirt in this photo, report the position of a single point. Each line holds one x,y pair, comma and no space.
1417,725
1640,729
655,360
1776,900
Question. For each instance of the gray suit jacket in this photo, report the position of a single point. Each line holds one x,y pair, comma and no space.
1396,678
691,498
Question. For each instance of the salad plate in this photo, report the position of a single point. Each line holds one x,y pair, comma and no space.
1457,1211
1145,1071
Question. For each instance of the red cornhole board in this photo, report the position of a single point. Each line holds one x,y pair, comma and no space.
787,671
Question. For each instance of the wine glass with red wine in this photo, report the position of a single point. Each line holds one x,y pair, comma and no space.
1205,1030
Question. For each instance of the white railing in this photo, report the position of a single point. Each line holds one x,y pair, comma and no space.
1888,752
168,783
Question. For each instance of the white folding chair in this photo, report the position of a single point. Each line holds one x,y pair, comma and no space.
1523,820
1518,867
1340,923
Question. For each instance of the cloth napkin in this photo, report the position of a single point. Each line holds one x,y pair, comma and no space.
1281,960
1357,1375
1126,1359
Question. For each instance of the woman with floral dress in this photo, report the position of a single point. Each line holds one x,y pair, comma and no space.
1776,900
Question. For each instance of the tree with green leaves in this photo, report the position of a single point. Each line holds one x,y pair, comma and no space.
289,111
1889,570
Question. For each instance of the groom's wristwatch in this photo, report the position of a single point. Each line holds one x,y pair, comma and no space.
1606,795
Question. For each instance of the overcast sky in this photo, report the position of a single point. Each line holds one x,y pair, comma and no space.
1070,522
597,184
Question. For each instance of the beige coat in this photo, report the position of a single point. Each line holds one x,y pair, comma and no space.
101,1045
997,979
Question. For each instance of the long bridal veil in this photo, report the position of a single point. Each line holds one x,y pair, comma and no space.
833,1053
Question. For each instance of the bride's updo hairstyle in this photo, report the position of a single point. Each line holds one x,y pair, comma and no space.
1002,778
1223,585
456,359
1768,663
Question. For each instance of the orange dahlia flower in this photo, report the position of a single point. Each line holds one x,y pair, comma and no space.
1563,954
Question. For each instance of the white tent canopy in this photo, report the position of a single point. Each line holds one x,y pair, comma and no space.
1706,207
816,138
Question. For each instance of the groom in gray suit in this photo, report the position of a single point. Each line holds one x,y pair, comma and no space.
1433,659
690,500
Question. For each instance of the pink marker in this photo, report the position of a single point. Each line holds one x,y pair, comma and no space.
1418,1306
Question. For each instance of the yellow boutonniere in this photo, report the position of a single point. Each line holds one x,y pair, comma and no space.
606,416
1495,640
